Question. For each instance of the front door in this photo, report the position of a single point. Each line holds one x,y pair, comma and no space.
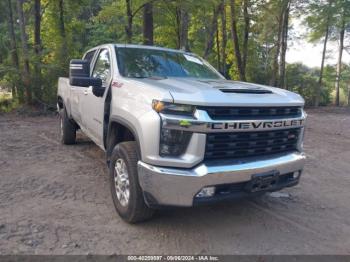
77,94
93,106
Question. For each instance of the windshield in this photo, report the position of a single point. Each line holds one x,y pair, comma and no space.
143,63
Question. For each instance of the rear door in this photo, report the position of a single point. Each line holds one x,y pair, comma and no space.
93,106
77,93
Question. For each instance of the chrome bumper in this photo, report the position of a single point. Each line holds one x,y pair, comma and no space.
178,187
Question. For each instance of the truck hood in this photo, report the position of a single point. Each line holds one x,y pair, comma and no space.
223,92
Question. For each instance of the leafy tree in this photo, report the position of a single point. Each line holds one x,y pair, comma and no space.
320,19
342,29
246,39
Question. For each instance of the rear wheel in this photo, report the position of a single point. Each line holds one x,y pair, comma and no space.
126,192
67,129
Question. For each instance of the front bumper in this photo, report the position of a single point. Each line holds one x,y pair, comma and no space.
178,187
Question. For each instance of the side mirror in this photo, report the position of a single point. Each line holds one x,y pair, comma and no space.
85,81
79,74
98,90
79,71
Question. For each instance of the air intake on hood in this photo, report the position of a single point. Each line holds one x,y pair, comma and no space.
245,91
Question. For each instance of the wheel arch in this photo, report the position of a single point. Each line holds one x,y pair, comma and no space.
60,102
120,130
63,104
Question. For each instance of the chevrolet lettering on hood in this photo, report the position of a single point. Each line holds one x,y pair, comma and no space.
256,125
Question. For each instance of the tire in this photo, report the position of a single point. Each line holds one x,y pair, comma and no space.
67,129
134,209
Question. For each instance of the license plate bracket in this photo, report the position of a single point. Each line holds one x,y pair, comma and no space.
262,182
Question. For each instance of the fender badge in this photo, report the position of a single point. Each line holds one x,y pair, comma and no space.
117,84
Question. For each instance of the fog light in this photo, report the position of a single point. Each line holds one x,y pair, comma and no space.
296,175
206,192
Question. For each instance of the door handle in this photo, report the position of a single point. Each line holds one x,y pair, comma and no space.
86,92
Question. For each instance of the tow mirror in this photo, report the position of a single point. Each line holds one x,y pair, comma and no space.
79,74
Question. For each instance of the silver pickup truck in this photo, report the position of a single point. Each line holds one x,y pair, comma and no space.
176,132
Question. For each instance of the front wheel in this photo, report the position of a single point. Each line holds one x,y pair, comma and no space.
126,192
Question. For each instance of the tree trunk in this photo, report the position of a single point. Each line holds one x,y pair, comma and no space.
218,47
319,89
26,76
13,51
339,64
62,31
178,26
37,48
224,39
212,31
128,27
183,31
148,24
284,42
234,35
37,26
273,80
62,28
246,33
16,89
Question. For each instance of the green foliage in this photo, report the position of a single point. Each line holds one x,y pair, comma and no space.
320,17
7,103
88,23
304,81
329,79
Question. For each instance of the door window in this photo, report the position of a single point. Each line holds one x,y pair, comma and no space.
102,67
89,56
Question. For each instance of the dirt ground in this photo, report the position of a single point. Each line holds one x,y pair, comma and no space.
55,199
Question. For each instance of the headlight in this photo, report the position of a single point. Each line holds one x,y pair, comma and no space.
171,108
173,142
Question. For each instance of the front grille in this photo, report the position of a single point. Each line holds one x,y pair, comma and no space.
248,113
250,144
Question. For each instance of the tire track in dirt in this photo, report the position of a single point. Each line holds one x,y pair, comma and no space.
55,199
